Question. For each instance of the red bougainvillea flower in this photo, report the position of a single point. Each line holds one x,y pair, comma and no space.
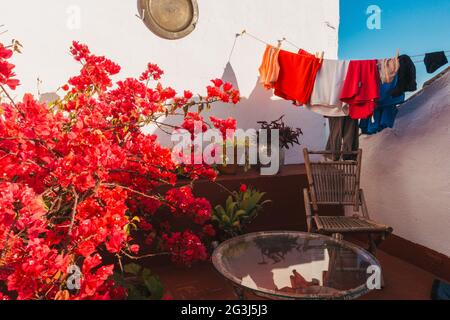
227,127
209,230
134,248
194,123
185,247
79,178
183,202
217,83
188,95
6,68
227,87
153,72
4,52
223,92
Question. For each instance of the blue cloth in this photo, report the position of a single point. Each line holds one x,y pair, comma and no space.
386,112
440,291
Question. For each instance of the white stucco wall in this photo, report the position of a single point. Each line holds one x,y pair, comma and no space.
406,171
110,27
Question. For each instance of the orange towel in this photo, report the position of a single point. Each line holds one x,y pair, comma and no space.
270,67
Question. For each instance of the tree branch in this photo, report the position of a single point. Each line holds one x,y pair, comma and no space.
74,211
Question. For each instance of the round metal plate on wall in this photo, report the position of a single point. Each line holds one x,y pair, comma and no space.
169,19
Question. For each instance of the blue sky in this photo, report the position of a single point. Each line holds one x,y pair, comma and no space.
413,26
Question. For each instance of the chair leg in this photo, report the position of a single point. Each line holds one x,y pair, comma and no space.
309,217
375,240
365,211
338,236
372,244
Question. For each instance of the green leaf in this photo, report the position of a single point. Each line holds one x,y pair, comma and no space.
136,293
137,219
258,196
219,212
118,279
231,209
225,219
240,213
153,285
132,268
228,202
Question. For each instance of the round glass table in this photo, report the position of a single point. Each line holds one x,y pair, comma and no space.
295,265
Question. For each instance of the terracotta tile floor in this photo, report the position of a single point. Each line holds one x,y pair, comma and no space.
403,281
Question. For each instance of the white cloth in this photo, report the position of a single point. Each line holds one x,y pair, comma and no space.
325,99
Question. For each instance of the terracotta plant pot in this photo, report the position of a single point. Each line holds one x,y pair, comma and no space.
228,170
282,154
231,168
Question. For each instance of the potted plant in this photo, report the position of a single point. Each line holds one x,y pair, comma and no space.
229,166
240,209
139,283
288,136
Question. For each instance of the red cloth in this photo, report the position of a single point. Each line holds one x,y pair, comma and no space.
297,76
361,88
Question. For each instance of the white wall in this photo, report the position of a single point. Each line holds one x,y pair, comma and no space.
406,171
110,27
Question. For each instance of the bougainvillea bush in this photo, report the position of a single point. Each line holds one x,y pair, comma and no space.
78,178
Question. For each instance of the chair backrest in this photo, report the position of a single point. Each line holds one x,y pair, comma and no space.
334,182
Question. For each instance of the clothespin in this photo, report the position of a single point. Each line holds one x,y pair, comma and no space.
241,34
280,42
322,54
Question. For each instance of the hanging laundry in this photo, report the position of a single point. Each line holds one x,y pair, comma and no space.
325,98
361,88
297,76
344,136
406,76
388,69
386,111
434,61
270,67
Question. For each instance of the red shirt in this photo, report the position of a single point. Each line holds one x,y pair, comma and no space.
361,88
297,76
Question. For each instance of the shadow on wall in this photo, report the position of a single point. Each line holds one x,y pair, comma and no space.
260,106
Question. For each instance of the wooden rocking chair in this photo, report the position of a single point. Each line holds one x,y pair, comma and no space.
338,183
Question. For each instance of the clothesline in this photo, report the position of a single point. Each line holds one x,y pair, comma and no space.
284,39
245,32
419,55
